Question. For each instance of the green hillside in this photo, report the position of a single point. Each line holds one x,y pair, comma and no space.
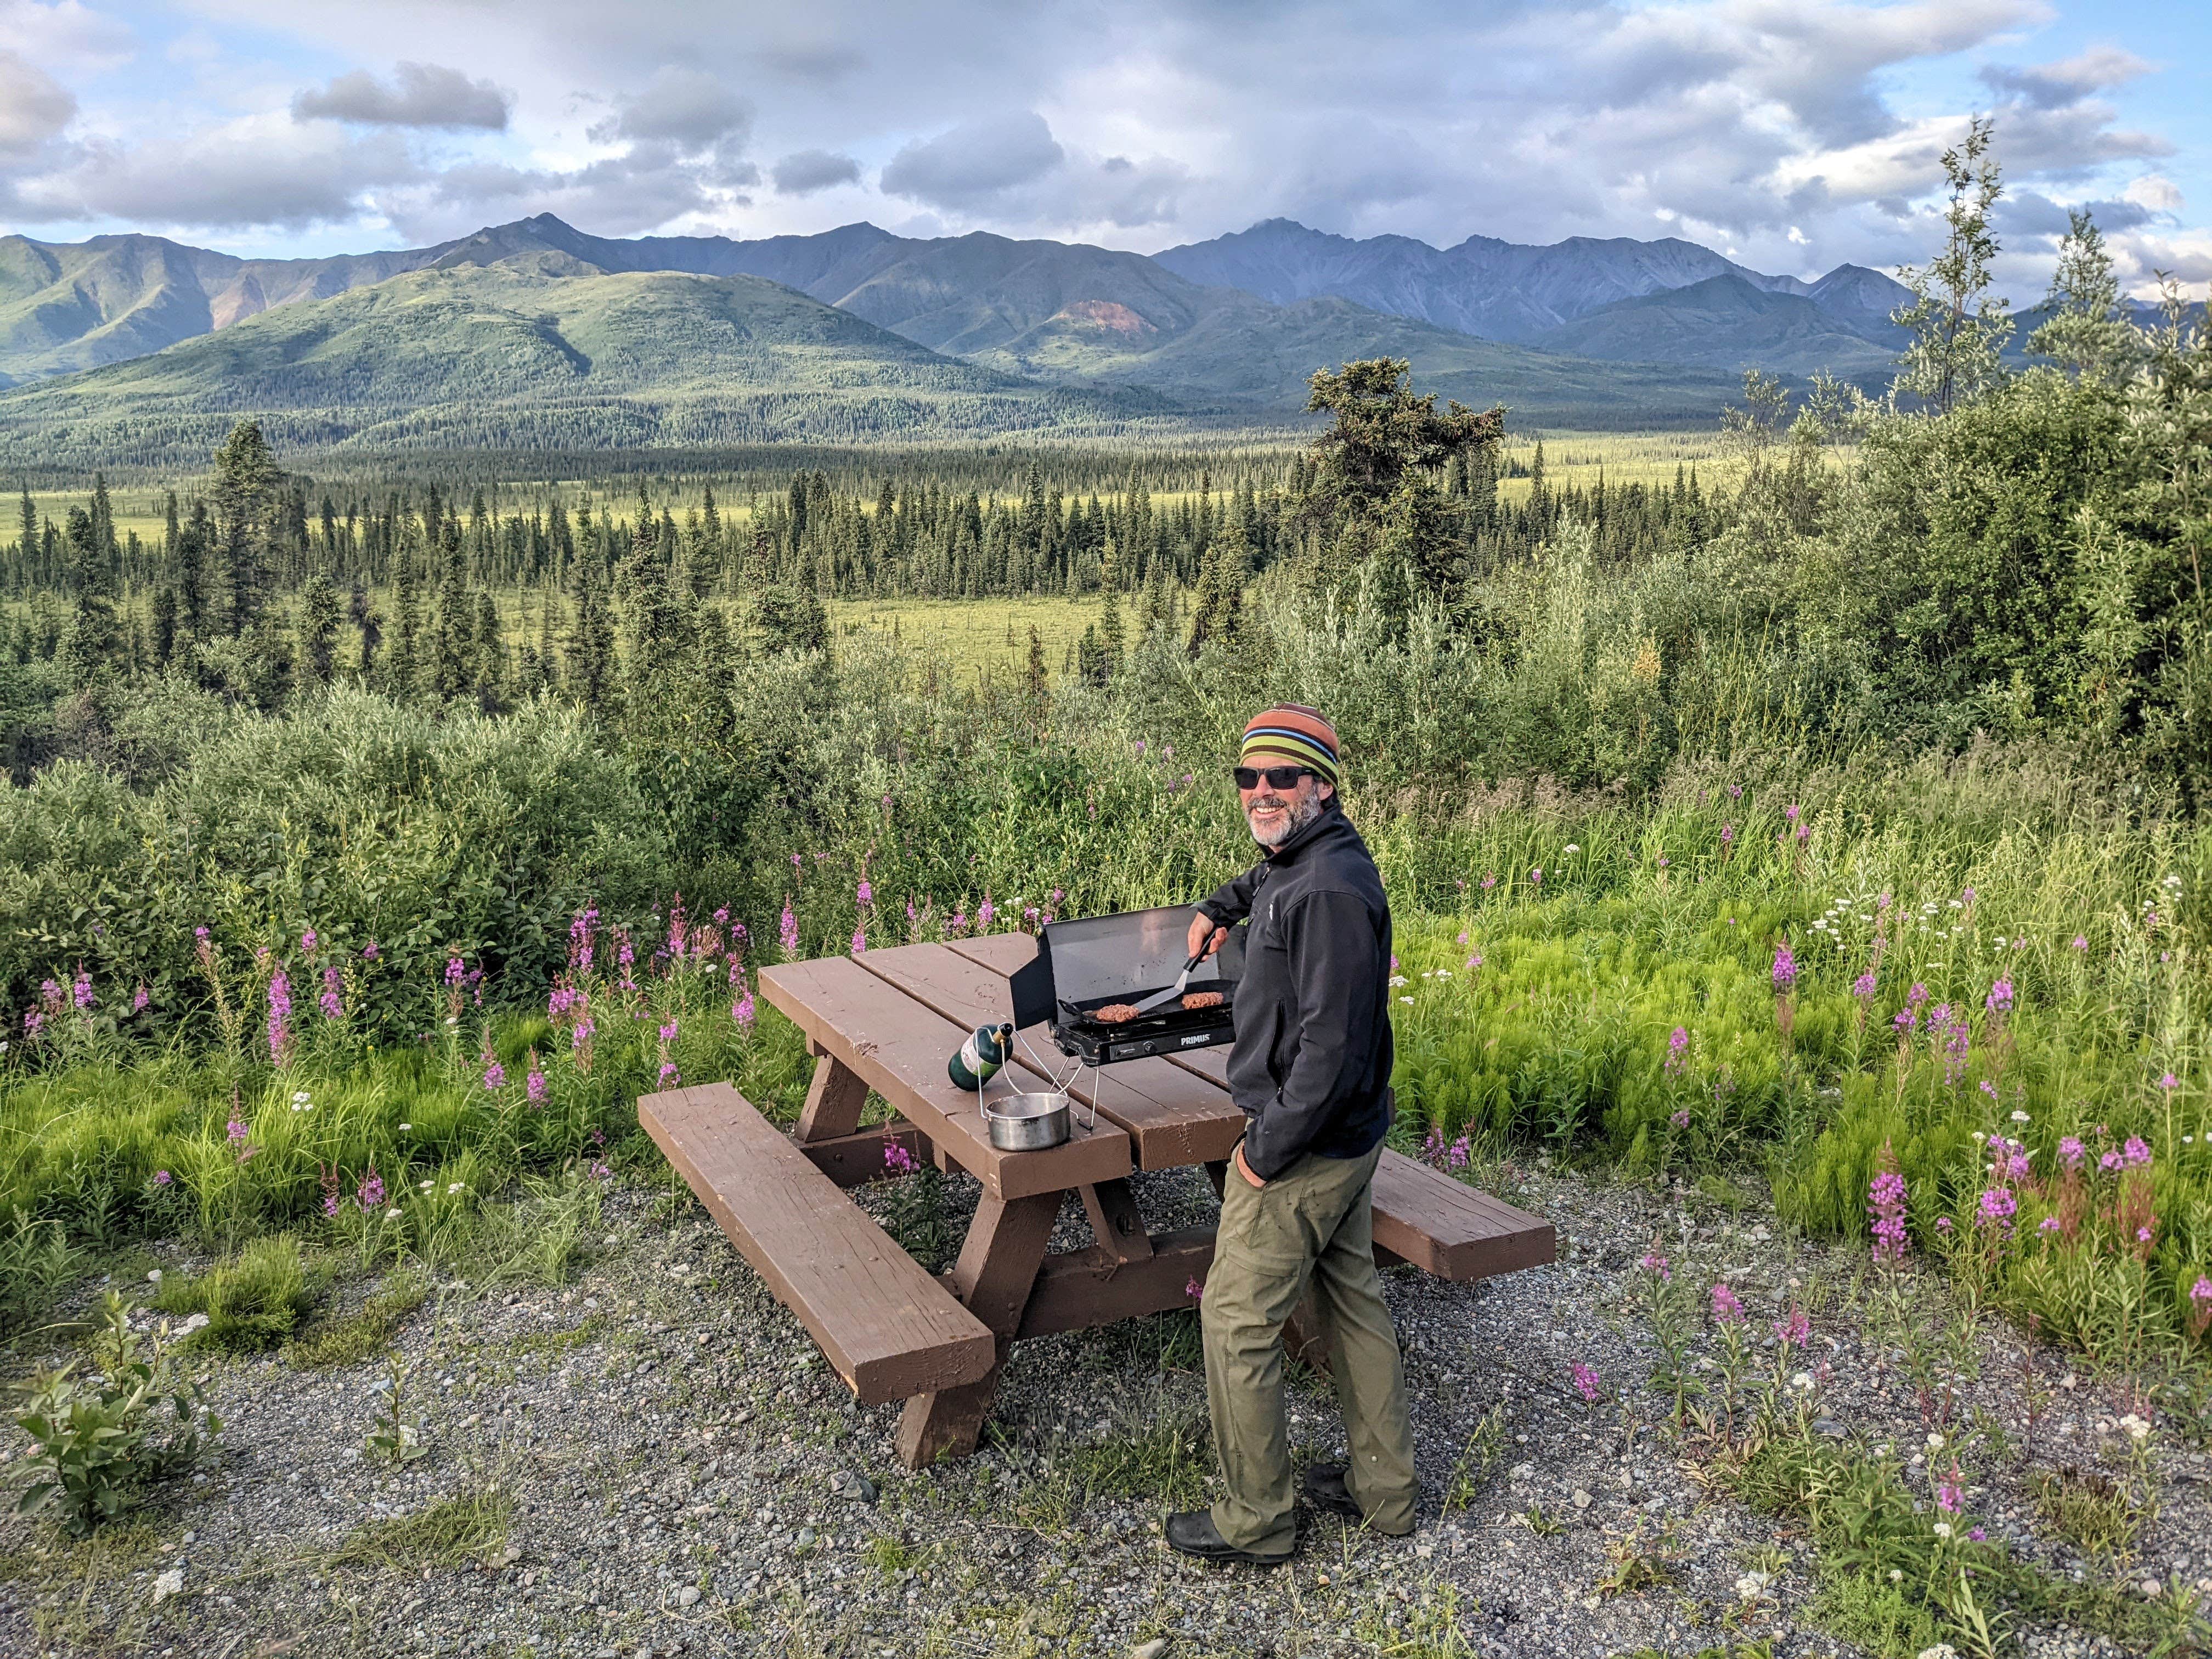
538,351
1724,323
1236,351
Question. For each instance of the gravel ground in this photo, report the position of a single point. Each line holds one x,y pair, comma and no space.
653,1461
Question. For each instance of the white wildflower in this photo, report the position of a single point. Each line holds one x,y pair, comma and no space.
168,1584
391,1215
1752,1584
1571,848
299,1096
1934,1441
1896,1577
2138,1430
404,1128
428,1185
2018,1117
1405,998
1400,979
1942,1529
456,1187
1941,1650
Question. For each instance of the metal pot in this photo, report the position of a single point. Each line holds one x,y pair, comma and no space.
1028,1123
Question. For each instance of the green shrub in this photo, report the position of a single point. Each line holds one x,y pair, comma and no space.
98,1438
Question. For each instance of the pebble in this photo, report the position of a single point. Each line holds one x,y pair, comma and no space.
688,1597
1151,1650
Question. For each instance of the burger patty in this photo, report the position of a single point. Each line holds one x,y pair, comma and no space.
1202,1000
1115,1013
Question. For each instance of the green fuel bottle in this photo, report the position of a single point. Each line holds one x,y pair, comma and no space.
978,1059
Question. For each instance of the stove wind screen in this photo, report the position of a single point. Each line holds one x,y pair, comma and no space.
1120,957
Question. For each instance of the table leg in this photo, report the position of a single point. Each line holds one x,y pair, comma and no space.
833,1103
1115,1223
998,1267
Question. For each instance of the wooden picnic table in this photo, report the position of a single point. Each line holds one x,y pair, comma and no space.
885,1021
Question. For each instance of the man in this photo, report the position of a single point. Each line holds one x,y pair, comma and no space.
1311,1071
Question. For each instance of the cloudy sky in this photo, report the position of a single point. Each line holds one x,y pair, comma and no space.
1792,134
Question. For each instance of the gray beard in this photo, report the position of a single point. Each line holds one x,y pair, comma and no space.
1301,813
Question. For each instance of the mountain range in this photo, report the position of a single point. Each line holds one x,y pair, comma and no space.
137,334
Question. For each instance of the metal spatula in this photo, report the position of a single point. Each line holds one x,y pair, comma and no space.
1160,998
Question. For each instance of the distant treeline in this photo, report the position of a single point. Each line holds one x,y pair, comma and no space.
261,572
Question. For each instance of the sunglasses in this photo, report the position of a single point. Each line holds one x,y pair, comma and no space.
1278,777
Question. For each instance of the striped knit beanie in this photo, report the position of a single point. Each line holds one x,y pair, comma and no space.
1293,731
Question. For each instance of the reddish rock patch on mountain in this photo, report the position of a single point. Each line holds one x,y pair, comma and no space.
1110,315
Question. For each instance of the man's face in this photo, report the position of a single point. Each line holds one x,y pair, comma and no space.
1276,815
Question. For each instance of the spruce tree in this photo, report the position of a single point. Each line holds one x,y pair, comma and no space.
402,671
91,646
361,608
245,497
318,628
165,625
27,531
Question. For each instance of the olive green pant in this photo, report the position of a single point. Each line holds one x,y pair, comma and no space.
1313,1225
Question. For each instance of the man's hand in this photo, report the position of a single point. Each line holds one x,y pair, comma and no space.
1244,1168
1206,936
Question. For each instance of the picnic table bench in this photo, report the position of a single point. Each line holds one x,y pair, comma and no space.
885,1021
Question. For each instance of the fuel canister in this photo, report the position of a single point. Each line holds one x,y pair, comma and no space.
978,1059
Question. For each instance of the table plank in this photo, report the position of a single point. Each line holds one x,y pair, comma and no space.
899,1047
1172,1118
888,1328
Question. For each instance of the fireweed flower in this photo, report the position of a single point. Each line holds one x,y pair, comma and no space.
741,1011
1999,1000
1680,1120
81,990
1795,1330
455,971
370,1192
1728,834
1489,880
1863,987
369,951
1653,1263
1727,1309
279,1017
1949,1494
2048,1224
1886,1204
307,943
2169,1083
534,1082
1193,1289
495,1076
1585,1380
332,1006
163,1178
864,895
2134,1152
1996,1209
2071,1154
1536,876
139,1000
986,913
1677,1050
1785,967
1905,1022
859,941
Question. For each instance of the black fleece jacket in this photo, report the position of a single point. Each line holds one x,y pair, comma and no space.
1311,1064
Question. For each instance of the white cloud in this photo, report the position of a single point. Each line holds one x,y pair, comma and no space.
35,107
976,162
422,95
804,172
1777,127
